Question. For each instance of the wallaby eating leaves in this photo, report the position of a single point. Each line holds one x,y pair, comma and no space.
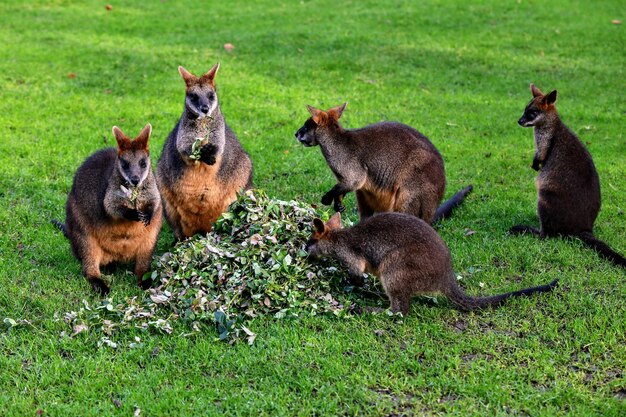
405,253
568,187
113,211
390,166
202,166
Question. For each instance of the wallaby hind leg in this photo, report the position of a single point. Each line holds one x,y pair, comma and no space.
421,207
365,210
91,271
400,303
174,220
142,265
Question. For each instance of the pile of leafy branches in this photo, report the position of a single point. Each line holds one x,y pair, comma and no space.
252,264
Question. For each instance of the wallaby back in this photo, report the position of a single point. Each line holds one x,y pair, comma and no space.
405,253
568,186
202,166
389,165
113,211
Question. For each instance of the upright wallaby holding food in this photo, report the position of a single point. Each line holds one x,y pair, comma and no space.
405,253
389,165
568,187
202,166
113,211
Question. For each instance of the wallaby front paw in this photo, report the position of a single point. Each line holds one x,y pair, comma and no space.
339,207
207,154
356,280
132,214
145,284
327,199
145,218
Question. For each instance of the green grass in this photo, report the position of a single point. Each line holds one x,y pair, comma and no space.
458,72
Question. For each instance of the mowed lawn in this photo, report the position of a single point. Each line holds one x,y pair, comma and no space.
458,71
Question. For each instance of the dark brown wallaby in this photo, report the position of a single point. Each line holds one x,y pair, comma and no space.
202,166
113,211
568,187
405,253
390,166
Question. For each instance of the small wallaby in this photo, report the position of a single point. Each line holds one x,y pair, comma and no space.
202,166
390,166
568,187
405,253
113,211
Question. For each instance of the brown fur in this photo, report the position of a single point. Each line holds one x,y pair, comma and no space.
390,166
103,225
568,186
405,253
197,192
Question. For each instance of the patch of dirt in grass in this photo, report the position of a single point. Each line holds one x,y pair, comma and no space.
459,325
621,394
449,398
471,357
402,404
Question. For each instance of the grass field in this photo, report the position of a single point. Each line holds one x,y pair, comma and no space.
458,71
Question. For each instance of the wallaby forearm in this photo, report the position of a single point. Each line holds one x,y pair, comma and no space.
543,139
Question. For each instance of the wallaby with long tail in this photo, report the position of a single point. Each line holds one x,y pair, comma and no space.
202,166
568,187
390,166
405,253
113,211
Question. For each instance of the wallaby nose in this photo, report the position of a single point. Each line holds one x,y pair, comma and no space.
135,180
204,108
521,121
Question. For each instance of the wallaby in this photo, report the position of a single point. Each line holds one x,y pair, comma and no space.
113,211
405,253
202,166
389,165
568,186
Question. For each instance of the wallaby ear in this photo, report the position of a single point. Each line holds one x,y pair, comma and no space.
334,222
187,76
336,112
123,141
210,75
536,92
550,98
319,225
316,114
141,141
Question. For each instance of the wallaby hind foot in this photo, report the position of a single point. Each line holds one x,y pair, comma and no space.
522,229
99,286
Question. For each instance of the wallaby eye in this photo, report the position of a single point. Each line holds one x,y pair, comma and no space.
125,164
310,124
142,163
193,97
211,95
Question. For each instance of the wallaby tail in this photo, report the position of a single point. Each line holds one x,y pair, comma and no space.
602,248
465,302
445,210
60,226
